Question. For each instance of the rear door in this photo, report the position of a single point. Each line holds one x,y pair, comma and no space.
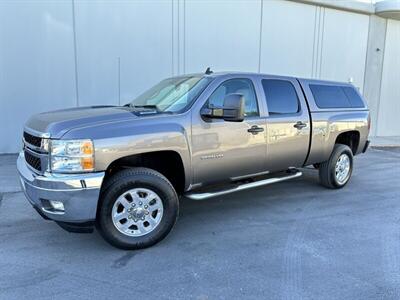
288,123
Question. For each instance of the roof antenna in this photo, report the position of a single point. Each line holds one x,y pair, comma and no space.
208,71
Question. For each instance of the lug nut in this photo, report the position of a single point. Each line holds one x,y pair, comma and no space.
145,206
129,217
133,204
146,212
140,203
142,218
135,220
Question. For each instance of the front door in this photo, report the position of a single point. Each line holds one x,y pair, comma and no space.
224,150
288,123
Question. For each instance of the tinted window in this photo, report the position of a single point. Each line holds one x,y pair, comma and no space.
328,96
354,98
236,86
281,96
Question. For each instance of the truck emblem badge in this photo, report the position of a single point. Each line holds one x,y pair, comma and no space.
212,156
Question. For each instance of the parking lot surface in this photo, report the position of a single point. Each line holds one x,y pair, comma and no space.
291,240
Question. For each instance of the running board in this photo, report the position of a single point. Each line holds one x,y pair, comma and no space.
242,187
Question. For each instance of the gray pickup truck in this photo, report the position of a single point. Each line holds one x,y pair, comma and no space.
122,169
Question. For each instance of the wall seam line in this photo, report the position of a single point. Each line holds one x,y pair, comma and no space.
313,53
322,41
179,39
318,39
366,55
380,84
173,40
260,38
184,36
75,54
119,80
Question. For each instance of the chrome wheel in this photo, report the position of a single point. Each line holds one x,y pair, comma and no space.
137,212
342,168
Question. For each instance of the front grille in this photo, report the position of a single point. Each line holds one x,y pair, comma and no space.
33,140
33,161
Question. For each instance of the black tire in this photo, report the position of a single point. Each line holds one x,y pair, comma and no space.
327,176
124,181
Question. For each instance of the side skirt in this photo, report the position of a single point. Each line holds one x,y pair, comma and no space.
241,187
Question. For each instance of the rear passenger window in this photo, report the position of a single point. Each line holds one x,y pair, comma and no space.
354,98
281,96
328,96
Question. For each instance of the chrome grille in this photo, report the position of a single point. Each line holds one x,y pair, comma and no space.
35,154
33,140
33,161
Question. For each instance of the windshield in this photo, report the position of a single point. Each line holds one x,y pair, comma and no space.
172,94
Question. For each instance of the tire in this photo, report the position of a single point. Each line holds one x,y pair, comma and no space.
328,175
138,208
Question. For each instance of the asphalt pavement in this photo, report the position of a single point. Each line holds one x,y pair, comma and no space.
291,240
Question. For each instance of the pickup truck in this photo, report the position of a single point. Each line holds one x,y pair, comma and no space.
123,169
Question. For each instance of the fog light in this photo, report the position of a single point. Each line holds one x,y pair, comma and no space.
57,205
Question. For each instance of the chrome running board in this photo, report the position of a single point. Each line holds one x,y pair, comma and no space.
242,187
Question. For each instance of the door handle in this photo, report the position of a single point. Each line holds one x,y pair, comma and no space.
300,125
255,129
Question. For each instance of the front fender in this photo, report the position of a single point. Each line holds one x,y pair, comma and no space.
118,140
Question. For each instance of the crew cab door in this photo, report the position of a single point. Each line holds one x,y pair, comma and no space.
288,123
223,150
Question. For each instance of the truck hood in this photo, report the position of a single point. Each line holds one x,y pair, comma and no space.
57,123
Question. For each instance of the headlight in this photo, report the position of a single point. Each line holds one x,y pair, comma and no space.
68,156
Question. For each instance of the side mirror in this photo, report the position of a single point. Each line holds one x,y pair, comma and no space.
232,110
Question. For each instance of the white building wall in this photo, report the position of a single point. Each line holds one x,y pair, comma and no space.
344,46
389,104
287,47
36,64
222,35
74,53
122,48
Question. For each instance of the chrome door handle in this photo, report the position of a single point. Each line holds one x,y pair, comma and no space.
300,125
255,129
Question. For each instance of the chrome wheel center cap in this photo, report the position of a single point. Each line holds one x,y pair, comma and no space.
138,213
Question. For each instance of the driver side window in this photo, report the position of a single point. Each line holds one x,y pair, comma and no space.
236,86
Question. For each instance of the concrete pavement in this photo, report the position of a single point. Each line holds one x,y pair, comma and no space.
292,240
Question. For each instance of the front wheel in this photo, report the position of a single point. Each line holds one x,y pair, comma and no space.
138,208
336,171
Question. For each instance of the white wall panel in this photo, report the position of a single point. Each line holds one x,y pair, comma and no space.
135,34
36,64
344,46
124,47
287,40
222,34
389,106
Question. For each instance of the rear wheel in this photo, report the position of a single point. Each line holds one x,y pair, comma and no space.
336,171
138,208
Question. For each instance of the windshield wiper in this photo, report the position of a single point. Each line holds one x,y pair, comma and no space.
149,106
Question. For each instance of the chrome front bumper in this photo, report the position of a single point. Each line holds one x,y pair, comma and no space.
79,193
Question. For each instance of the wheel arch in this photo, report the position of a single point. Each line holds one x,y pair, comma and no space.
168,162
350,138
